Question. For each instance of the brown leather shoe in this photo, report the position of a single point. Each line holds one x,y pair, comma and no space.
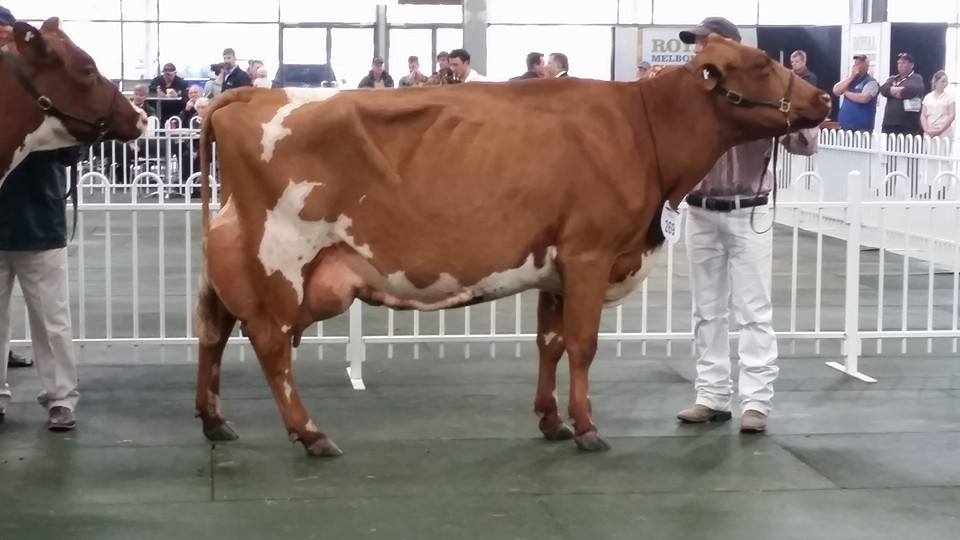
699,414
753,422
61,419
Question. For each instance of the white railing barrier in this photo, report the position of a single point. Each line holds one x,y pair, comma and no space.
130,223
851,343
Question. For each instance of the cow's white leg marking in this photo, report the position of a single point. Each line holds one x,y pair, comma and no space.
273,131
311,427
549,337
49,135
289,242
287,390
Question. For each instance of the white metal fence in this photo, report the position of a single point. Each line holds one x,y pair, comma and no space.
866,250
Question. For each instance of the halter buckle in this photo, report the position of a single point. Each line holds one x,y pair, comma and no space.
44,103
785,105
734,97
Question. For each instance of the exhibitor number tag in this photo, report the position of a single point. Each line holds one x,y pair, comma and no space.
670,223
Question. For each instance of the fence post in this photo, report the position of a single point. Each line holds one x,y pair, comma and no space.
851,344
356,350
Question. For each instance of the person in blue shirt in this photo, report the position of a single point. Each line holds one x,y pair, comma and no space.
858,93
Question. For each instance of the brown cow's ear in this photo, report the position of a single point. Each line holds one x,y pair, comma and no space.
30,43
51,25
711,75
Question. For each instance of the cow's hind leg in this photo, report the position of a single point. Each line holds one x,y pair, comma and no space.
584,286
274,349
213,329
550,345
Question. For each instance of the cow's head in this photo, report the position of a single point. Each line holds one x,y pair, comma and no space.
63,82
755,92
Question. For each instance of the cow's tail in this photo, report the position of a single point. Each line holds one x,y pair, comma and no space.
207,138
206,150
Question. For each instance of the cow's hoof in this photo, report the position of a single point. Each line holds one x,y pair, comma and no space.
220,432
560,432
324,448
591,442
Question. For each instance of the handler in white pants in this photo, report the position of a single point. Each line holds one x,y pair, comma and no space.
43,279
33,240
730,267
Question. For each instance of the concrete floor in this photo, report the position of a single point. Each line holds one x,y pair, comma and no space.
448,448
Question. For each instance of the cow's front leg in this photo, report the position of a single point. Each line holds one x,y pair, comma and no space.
274,349
584,284
550,345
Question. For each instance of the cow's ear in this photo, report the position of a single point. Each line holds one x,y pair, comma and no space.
711,76
51,25
30,43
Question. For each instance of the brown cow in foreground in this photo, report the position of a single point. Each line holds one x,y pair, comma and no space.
556,185
52,96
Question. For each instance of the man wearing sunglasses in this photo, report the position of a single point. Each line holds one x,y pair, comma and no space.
904,92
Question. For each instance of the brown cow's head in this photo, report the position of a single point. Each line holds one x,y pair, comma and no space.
65,84
758,94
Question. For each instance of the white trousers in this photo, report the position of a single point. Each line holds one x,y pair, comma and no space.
43,279
730,267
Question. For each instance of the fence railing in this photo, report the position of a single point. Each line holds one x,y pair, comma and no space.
856,262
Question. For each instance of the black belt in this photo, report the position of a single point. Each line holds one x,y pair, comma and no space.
725,205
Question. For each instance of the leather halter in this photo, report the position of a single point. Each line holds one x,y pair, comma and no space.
46,104
784,105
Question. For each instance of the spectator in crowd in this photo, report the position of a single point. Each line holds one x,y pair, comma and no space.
443,75
252,67
415,77
378,76
460,65
558,66
260,80
233,77
6,35
33,250
140,92
730,265
644,71
168,83
194,94
798,60
535,67
214,86
904,93
858,106
939,109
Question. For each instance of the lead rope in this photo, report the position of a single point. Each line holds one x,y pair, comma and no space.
763,173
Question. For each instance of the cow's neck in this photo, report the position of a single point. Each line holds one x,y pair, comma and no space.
688,136
23,122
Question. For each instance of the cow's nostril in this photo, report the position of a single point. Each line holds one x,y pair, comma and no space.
825,98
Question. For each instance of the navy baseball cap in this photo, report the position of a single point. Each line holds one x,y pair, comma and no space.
711,25
6,18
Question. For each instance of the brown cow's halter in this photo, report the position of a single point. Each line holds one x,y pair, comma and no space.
46,104
736,98
785,105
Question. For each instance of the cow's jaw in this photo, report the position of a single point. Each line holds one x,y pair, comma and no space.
51,134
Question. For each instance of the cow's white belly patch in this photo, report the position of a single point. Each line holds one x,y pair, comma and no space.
447,291
49,135
618,292
274,131
289,242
